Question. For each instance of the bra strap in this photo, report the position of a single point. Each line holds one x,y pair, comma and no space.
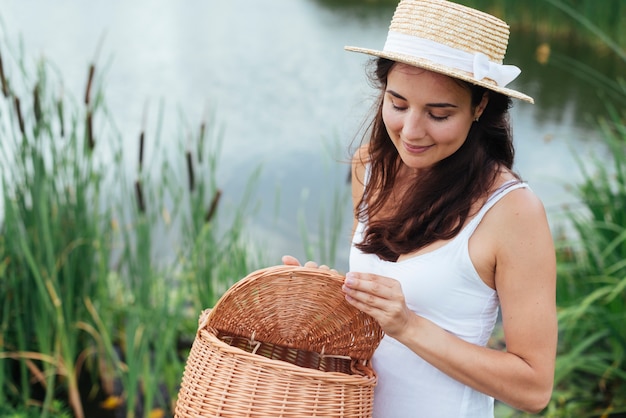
495,197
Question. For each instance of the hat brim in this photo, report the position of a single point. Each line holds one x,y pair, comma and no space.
438,68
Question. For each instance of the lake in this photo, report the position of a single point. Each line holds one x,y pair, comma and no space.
286,94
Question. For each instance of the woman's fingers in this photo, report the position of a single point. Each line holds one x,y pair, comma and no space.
376,285
289,260
380,297
322,267
366,290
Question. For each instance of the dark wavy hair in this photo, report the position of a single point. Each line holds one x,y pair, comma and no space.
438,203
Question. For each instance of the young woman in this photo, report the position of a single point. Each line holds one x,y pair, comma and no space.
445,232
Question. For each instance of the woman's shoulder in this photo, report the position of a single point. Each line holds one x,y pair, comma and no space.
360,160
519,208
361,155
519,205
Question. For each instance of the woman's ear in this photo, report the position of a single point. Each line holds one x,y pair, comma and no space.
480,108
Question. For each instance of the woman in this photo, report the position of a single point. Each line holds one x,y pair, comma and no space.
445,233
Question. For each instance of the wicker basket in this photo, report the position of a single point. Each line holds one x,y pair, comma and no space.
282,342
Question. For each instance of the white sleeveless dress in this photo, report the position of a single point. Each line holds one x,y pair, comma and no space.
444,287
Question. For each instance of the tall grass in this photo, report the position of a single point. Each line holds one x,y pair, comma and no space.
50,228
590,376
590,379
94,305
591,365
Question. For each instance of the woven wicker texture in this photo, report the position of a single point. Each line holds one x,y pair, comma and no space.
281,342
454,25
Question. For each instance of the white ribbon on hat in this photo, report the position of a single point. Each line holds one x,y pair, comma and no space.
477,64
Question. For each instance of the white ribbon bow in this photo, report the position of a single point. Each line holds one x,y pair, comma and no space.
477,64
501,74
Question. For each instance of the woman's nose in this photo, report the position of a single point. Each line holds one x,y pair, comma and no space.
413,127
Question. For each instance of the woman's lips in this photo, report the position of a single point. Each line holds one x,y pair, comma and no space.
416,149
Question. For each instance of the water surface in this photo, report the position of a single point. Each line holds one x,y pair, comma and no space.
286,93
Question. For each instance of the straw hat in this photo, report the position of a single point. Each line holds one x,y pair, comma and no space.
450,39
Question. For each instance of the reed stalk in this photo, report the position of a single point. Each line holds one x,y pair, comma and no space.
591,286
91,142
141,145
37,105
210,213
3,81
141,202
87,291
90,77
591,366
55,251
214,253
61,116
18,113
190,171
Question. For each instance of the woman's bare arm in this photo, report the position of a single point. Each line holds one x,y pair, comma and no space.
525,278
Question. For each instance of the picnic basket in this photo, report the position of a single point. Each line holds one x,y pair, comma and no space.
281,342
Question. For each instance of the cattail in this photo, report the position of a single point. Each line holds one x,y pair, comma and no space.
92,69
18,111
141,140
142,135
37,104
201,141
3,80
213,207
90,139
61,117
192,181
139,195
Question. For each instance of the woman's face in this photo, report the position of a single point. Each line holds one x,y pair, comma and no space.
427,115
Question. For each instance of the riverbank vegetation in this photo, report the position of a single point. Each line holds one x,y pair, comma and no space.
102,276
590,378
103,273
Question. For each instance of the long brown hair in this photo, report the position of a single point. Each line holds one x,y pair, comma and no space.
437,204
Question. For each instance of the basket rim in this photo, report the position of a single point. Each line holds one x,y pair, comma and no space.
301,276
268,364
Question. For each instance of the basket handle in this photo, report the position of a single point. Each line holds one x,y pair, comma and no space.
203,320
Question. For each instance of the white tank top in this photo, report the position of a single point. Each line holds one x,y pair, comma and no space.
444,287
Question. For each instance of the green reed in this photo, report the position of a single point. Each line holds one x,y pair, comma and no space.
213,253
57,410
591,366
50,227
91,297
591,244
591,292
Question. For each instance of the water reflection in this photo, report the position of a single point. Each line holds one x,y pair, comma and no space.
555,88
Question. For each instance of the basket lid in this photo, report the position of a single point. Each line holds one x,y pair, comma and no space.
296,307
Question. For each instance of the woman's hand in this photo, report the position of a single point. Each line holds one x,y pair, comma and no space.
289,260
381,298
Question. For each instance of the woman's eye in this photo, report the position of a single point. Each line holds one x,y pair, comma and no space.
396,106
438,118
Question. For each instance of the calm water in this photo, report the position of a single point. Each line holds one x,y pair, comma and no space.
287,95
